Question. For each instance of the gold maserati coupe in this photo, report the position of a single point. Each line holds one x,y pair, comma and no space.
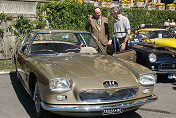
68,73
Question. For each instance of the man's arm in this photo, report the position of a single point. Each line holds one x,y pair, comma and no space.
107,29
123,45
127,35
87,27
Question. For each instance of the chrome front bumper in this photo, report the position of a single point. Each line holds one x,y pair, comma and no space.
126,106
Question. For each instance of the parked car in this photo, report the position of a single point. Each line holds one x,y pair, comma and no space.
66,72
159,36
160,59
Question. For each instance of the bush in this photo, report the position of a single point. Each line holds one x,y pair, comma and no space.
73,15
23,25
66,15
142,16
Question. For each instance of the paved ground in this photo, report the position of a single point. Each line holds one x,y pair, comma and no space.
16,103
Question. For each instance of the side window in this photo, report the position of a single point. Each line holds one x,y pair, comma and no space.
25,44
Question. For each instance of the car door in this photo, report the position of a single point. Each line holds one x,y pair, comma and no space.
22,57
129,55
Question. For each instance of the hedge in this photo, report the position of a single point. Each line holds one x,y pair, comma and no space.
73,15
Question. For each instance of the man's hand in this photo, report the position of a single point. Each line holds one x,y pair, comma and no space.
123,45
109,42
90,18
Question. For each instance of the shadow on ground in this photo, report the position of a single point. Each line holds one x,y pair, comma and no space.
28,103
174,84
22,95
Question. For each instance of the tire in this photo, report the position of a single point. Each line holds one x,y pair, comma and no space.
40,112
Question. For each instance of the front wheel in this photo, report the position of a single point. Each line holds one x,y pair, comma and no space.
40,112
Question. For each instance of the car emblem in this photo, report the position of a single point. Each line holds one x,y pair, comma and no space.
110,84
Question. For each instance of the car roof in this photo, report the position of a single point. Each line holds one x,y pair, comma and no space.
151,29
56,30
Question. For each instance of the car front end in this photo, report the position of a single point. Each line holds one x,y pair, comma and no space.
161,60
165,65
96,90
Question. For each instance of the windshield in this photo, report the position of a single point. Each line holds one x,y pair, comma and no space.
63,42
159,34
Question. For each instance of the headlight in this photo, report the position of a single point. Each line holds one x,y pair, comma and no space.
152,57
147,79
60,85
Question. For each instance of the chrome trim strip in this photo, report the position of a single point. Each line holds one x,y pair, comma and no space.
164,72
88,108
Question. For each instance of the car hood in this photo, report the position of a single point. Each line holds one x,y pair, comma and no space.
84,66
155,49
90,68
171,42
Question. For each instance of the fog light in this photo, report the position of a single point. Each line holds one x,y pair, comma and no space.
145,91
61,97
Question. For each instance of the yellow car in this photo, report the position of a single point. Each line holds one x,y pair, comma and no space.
159,36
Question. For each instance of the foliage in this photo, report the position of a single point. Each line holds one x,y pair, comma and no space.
66,15
5,17
156,17
73,15
40,22
1,32
6,64
23,25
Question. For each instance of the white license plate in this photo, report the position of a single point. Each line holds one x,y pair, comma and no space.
112,111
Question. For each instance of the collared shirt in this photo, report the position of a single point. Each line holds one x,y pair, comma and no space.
99,20
121,25
99,23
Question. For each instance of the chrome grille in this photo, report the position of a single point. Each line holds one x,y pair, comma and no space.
167,67
103,96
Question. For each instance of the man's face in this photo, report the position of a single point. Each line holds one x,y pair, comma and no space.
97,13
112,13
115,15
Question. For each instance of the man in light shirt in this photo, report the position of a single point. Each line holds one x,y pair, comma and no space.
121,28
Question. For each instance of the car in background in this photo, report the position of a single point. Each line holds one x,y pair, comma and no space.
160,59
159,36
67,72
